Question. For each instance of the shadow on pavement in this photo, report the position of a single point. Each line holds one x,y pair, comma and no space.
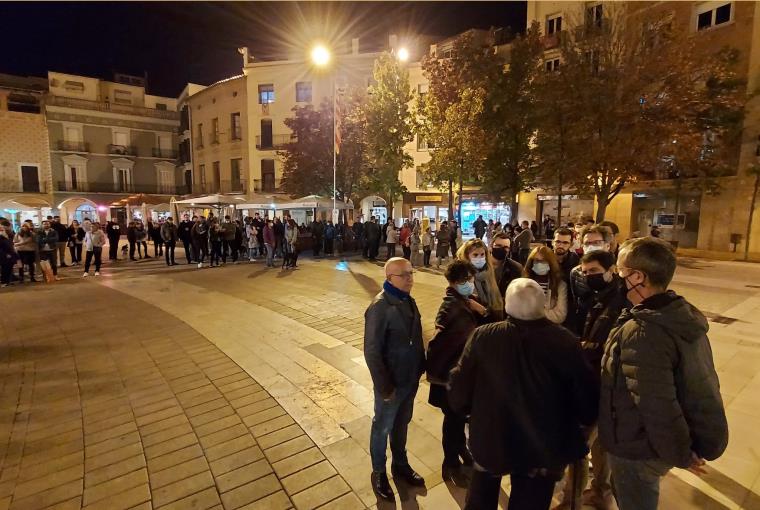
370,286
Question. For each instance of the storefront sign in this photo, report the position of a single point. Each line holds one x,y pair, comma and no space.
554,197
428,198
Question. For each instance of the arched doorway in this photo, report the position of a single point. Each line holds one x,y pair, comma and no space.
376,206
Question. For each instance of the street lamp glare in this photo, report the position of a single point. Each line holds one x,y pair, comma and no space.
403,54
320,55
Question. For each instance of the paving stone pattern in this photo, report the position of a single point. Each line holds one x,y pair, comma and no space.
120,405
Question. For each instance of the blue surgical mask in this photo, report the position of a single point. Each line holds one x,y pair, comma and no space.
465,289
478,262
540,268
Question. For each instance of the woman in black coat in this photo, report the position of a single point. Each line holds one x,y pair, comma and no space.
457,318
154,232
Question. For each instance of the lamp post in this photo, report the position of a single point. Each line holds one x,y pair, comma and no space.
320,57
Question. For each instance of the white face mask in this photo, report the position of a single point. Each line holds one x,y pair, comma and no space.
592,247
478,262
465,289
541,268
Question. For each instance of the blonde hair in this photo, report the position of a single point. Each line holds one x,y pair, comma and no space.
495,299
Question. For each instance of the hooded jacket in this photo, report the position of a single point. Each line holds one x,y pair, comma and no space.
660,395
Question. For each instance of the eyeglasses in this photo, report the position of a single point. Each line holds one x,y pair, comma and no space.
593,243
406,274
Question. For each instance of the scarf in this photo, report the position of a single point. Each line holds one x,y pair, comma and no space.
393,291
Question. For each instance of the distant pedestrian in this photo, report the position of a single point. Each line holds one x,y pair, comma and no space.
479,226
76,238
169,235
48,249
113,232
141,237
269,241
8,257
391,239
443,238
200,238
25,243
372,234
63,240
154,234
185,233
94,241
427,246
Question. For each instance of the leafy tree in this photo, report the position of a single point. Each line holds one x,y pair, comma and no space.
388,127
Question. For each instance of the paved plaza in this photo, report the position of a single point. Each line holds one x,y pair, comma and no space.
242,387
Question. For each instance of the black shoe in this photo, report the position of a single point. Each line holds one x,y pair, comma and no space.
453,473
381,486
132,258
148,257
408,474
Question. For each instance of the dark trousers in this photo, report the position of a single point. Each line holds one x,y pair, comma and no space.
453,246
76,253
365,248
374,248
317,248
391,420
329,246
52,257
144,246
169,252
96,252
27,259
200,250
523,255
528,493
216,252
407,252
453,440
132,245
158,248
390,250
113,248
230,246
6,269
426,255
187,245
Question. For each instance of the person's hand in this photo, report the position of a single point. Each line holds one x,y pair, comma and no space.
476,307
697,465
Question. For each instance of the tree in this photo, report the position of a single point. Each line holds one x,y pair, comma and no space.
636,90
388,128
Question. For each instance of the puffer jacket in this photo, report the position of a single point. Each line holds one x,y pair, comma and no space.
660,395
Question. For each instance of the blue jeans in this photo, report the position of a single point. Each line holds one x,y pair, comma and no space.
270,255
636,483
391,419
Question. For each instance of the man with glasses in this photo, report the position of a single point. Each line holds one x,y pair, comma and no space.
593,238
395,356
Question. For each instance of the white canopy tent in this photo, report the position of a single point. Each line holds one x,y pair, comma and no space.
217,201
263,202
316,202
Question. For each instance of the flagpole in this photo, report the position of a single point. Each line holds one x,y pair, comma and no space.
335,141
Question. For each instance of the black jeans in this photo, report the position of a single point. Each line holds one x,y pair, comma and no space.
52,257
426,255
528,493
230,245
329,245
200,250
158,248
453,439
76,253
97,252
6,269
188,252
216,252
317,247
374,248
132,245
169,252
113,248
407,252
27,259
390,250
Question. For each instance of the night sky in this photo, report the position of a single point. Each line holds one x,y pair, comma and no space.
180,42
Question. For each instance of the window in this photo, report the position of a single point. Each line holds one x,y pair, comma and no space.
122,96
303,92
217,176
266,134
235,127
594,15
237,183
267,175
30,178
266,94
552,65
422,90
122,179
160,106
554,24
215,130
199,143
202,174
73,86
421,143
711,14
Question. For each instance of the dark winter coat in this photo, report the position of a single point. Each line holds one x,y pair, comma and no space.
185,230
454,324
660,395
199,233
606,307
113,230
393,347
507,271
48,239
529,391
372,231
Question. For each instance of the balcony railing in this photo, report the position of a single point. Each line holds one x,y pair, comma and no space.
23,187
122,150
551,41
102,106
164,153
275,142
270,186
113,187
64,145
209,188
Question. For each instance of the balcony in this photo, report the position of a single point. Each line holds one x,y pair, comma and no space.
64,145
551,41
275,142
122,150
265,186
112,187
102,106
164,153
23,187
210,188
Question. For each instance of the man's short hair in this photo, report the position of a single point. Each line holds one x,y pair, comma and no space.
459,271
562,231
612,226
605,258
653,257
502,235
603,231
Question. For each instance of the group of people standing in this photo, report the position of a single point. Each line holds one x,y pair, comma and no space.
548,361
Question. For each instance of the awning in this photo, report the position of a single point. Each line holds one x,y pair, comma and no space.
218,201
260,201
316,202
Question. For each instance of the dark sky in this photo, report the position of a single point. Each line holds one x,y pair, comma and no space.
180,42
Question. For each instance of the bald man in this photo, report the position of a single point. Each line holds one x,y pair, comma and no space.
395,356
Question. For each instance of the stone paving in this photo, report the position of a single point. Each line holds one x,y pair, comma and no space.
184,388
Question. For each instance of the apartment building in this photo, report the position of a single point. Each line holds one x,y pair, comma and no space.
113,147
25,179
185,163
712,223
217,125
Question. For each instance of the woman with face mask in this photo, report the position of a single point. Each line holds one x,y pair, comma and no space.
457,318
487,291
543,268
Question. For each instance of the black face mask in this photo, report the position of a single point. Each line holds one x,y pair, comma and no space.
596,282
499,253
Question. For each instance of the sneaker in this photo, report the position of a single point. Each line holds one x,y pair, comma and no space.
85,275
97,273
200,265
3,285
57,278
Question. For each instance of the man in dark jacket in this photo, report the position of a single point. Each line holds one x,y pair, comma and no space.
63,239
317,231
169,235
505,268
184,230
529,392
660,402
395,356
479,226
113,232
372,234
593,238
46,242
229,246
199,236
522,242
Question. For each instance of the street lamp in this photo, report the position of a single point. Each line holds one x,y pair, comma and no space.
403,54
320,56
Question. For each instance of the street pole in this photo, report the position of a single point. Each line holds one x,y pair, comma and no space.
335,159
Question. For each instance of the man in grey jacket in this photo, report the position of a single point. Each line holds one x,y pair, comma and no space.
395,356
660,404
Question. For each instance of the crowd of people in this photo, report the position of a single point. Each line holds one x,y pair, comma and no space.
562,357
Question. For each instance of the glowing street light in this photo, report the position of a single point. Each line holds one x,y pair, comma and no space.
403,54
320,56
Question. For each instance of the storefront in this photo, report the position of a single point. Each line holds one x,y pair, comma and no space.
676,215
374,206
575,208
429,208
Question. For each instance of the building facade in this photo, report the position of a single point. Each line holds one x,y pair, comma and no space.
709,223
113,148
25,178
